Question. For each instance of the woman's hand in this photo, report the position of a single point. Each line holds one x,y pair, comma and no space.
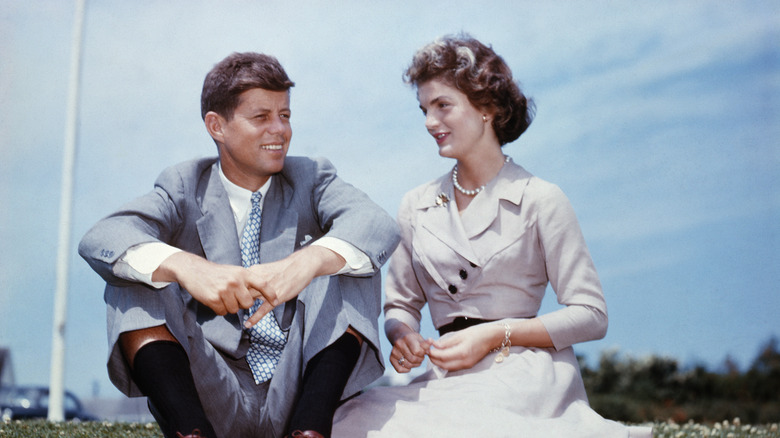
409,348
463,349
408,352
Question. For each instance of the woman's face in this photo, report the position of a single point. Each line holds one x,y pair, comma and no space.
457,126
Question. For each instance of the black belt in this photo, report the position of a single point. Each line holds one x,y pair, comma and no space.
460,323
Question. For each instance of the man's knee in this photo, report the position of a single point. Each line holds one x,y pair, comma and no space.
355,333
132,341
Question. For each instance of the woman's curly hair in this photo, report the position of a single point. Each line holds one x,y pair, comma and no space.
478,72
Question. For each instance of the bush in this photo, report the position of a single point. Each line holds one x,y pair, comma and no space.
657,389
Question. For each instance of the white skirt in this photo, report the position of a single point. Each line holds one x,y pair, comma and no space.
535,392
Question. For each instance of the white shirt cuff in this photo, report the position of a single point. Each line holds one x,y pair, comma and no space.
358,263
139,262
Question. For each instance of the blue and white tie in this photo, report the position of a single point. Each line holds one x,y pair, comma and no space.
266,339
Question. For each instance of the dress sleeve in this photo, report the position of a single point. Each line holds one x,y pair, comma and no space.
404,297
572,274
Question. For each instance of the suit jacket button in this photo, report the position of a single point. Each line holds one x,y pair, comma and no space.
463,274
452,289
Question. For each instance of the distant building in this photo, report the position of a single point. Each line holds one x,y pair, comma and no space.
6,368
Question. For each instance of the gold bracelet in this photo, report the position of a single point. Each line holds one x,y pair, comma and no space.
503,350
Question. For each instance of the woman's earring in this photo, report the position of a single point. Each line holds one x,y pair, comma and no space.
484,118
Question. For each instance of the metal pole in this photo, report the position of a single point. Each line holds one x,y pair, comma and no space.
56,382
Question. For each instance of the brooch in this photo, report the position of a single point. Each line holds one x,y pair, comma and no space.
442,199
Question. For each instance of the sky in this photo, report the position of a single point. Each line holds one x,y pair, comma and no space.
659,119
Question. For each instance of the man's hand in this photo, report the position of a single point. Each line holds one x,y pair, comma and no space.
226,288
280,281
223,288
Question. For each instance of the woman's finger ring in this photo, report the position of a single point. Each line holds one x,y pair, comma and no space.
401,360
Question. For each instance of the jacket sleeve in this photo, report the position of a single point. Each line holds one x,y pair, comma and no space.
346,213
153,217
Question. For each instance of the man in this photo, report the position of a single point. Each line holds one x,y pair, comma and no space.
243,292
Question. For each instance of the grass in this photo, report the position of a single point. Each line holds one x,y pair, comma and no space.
726,429
94,429
105,429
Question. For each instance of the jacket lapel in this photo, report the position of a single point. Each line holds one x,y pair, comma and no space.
496,208
218,237
494,215
278,231
217,227
442,220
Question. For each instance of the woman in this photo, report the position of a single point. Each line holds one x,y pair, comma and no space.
479,246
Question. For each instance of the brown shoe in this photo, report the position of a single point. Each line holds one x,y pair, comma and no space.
306,434
195,434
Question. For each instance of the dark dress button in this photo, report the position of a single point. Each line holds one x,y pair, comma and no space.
472,264
452,289
463,274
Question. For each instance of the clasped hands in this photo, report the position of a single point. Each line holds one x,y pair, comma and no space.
227,288
453,351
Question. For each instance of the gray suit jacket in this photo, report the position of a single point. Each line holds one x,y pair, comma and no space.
189,209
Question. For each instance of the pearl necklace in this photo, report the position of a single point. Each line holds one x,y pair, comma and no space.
470,192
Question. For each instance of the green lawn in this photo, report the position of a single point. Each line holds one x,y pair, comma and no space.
726,429
43,429
97,429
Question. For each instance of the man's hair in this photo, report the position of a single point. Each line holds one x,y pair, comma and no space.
237,73
478,72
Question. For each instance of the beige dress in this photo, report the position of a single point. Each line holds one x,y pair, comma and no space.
491,261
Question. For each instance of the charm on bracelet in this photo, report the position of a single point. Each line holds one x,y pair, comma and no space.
503,350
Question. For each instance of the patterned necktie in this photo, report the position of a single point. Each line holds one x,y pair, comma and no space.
266,339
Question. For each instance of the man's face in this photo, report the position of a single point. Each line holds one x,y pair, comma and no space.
254,143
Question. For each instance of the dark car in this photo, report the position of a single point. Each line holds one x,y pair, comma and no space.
19,402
